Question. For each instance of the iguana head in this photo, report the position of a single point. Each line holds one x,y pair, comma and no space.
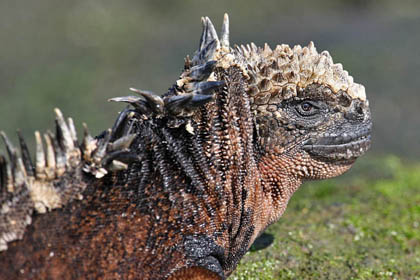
307,109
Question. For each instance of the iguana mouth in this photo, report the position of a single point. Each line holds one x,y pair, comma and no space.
345,145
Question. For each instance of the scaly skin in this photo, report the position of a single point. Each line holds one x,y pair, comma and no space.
199,179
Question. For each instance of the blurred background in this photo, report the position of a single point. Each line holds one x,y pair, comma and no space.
76,54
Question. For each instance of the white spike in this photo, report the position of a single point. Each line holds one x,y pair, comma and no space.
60,164
10,186
67,139
102,147
101,172
40,157
267,50
254,47
224,35
89,144
72,129
248,47
244,51
19,173
50,170
117,165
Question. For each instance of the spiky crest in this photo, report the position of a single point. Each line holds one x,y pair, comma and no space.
25,188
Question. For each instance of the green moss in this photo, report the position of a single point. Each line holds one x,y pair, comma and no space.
364,227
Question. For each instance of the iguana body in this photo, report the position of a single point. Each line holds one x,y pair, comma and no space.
182,184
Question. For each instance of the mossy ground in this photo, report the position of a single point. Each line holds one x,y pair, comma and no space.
354,227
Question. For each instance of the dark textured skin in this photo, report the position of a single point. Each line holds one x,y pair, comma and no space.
191,205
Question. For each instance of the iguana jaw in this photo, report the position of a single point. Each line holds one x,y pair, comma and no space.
346,145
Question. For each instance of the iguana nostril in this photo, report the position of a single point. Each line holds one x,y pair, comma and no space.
356,112
359,109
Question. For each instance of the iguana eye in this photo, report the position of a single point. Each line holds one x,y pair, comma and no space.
307,108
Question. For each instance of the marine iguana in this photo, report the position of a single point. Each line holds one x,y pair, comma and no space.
183,183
